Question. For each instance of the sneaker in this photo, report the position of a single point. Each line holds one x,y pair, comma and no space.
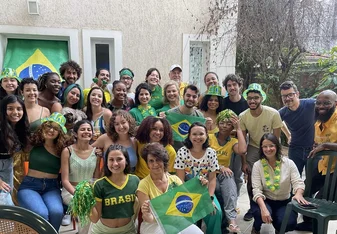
254,231
66,220
248,216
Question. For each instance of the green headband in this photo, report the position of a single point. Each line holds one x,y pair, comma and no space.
126,72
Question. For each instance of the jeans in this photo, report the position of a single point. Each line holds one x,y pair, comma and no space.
42,196
6,175
299,155
277,210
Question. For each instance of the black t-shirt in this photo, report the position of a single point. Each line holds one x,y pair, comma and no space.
237,107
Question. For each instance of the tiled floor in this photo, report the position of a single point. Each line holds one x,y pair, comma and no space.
246,227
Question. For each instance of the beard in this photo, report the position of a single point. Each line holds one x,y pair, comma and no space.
256,106
325,117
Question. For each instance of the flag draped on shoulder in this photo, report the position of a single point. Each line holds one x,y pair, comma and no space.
180,124
182,206
32,58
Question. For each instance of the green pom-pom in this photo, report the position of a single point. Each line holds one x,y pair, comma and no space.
82,202
225,115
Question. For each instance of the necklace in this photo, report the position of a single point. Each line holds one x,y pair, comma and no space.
145,112
277,176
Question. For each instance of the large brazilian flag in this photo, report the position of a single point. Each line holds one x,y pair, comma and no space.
32,58
182,206
180,124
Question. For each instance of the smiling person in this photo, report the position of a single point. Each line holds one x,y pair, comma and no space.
152,79
225,146
121,131
211,105
154,129
49,86
40,189
10,82
35,112
70,72
97,112
115,195
171,97
273,178
120,99
197,159
14,134
257,120
73,102
299,116
142,107
211,79
156,183
78,163
101,79
176,75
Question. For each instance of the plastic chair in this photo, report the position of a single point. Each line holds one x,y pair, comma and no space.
327,208
16,219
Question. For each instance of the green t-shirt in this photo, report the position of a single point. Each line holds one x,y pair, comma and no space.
139,113
157,98
117,201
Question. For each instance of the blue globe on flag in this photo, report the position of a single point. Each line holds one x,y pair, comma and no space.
183,128
184,204
34,70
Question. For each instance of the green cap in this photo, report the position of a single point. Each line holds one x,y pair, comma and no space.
9,73
57,118
214,90
255,87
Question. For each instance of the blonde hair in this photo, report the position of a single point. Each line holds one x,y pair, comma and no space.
168,84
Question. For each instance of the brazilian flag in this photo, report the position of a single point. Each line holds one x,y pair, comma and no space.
180,124
182,206
32,58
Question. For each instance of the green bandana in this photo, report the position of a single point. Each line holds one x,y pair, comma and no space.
126,72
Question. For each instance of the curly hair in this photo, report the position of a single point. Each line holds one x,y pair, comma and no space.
28,80
13,137
61,141
158,151
44,78
111,131
144,129
204,103
88,111
233,78
188,142
70,64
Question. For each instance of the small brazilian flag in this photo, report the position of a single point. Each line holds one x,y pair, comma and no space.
182,206
32,58
180,124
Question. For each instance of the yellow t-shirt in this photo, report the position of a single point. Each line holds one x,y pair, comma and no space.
224,153
181,88
266,122
141,168
147,186
327,134
106,95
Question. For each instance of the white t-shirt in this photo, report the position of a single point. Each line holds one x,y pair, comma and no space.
195,167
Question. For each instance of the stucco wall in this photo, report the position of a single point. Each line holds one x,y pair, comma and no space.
152,30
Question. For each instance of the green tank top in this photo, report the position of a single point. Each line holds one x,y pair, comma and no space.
35,124
41,160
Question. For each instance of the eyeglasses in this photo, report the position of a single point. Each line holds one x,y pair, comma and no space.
255,98
268,146
324,103
289,95
50,125
126,78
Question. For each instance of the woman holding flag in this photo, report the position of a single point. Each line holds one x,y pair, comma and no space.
158,182
196,158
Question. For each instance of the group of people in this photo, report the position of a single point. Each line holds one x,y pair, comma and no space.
123,142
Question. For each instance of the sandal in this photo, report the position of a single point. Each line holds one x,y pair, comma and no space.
233,228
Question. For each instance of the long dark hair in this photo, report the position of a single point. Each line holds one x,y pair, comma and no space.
138,89
121,148
188,142
14,137
89,109
271,137
3,92
204,103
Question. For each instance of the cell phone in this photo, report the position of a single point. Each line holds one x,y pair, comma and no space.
309,206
